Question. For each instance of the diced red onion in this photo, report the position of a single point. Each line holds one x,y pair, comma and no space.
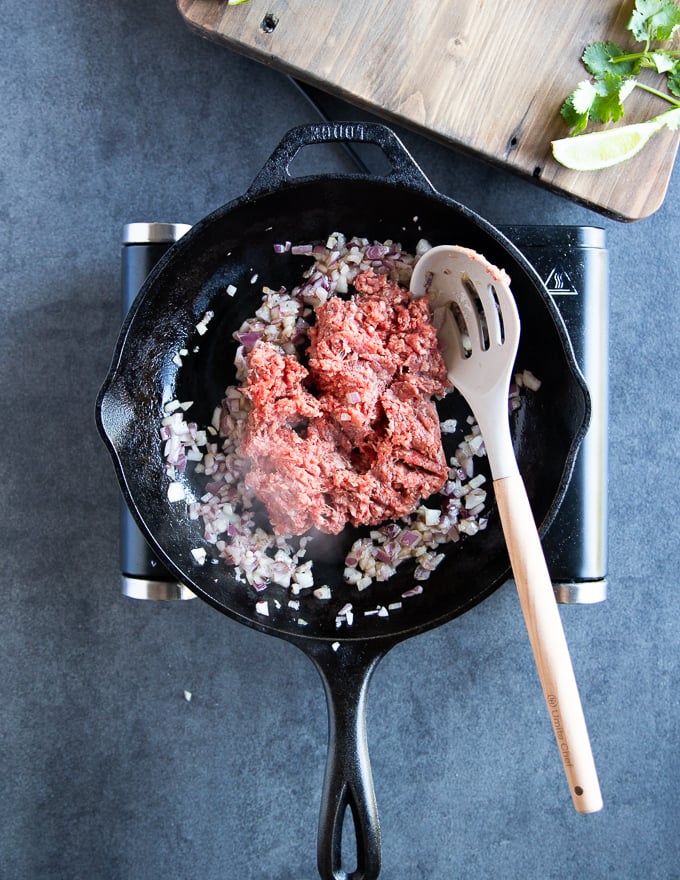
414,591
376,252
409,538
249,338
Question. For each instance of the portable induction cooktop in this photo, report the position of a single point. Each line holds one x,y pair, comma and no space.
573,263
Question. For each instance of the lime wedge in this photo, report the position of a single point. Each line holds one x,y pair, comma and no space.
602,149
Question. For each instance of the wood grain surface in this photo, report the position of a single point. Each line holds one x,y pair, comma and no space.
482,76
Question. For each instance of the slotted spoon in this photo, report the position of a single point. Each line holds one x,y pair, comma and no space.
479,328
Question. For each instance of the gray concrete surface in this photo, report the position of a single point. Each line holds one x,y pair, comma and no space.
115,112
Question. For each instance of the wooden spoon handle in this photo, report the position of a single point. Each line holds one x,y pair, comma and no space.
548,642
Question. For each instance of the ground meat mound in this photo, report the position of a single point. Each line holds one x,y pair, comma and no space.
353,437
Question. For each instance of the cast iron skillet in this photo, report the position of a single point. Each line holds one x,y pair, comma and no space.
229,247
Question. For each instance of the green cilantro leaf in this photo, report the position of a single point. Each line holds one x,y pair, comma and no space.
608,103
583,96
599,59
576,122
654,20
599,100
673,80
576,109
662,61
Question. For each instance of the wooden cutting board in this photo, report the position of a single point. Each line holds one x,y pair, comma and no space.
486,76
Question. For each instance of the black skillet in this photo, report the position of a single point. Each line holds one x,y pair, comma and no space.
229,247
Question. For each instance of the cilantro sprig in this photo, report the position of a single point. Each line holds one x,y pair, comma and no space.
614,70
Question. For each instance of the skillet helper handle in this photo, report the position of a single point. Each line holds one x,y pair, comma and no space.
276,170
348,781
548,642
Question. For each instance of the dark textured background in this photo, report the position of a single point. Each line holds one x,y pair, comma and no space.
115,112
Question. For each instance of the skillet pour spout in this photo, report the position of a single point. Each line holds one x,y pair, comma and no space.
224,250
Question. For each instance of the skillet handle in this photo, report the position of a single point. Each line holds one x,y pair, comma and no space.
404,171
348,781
